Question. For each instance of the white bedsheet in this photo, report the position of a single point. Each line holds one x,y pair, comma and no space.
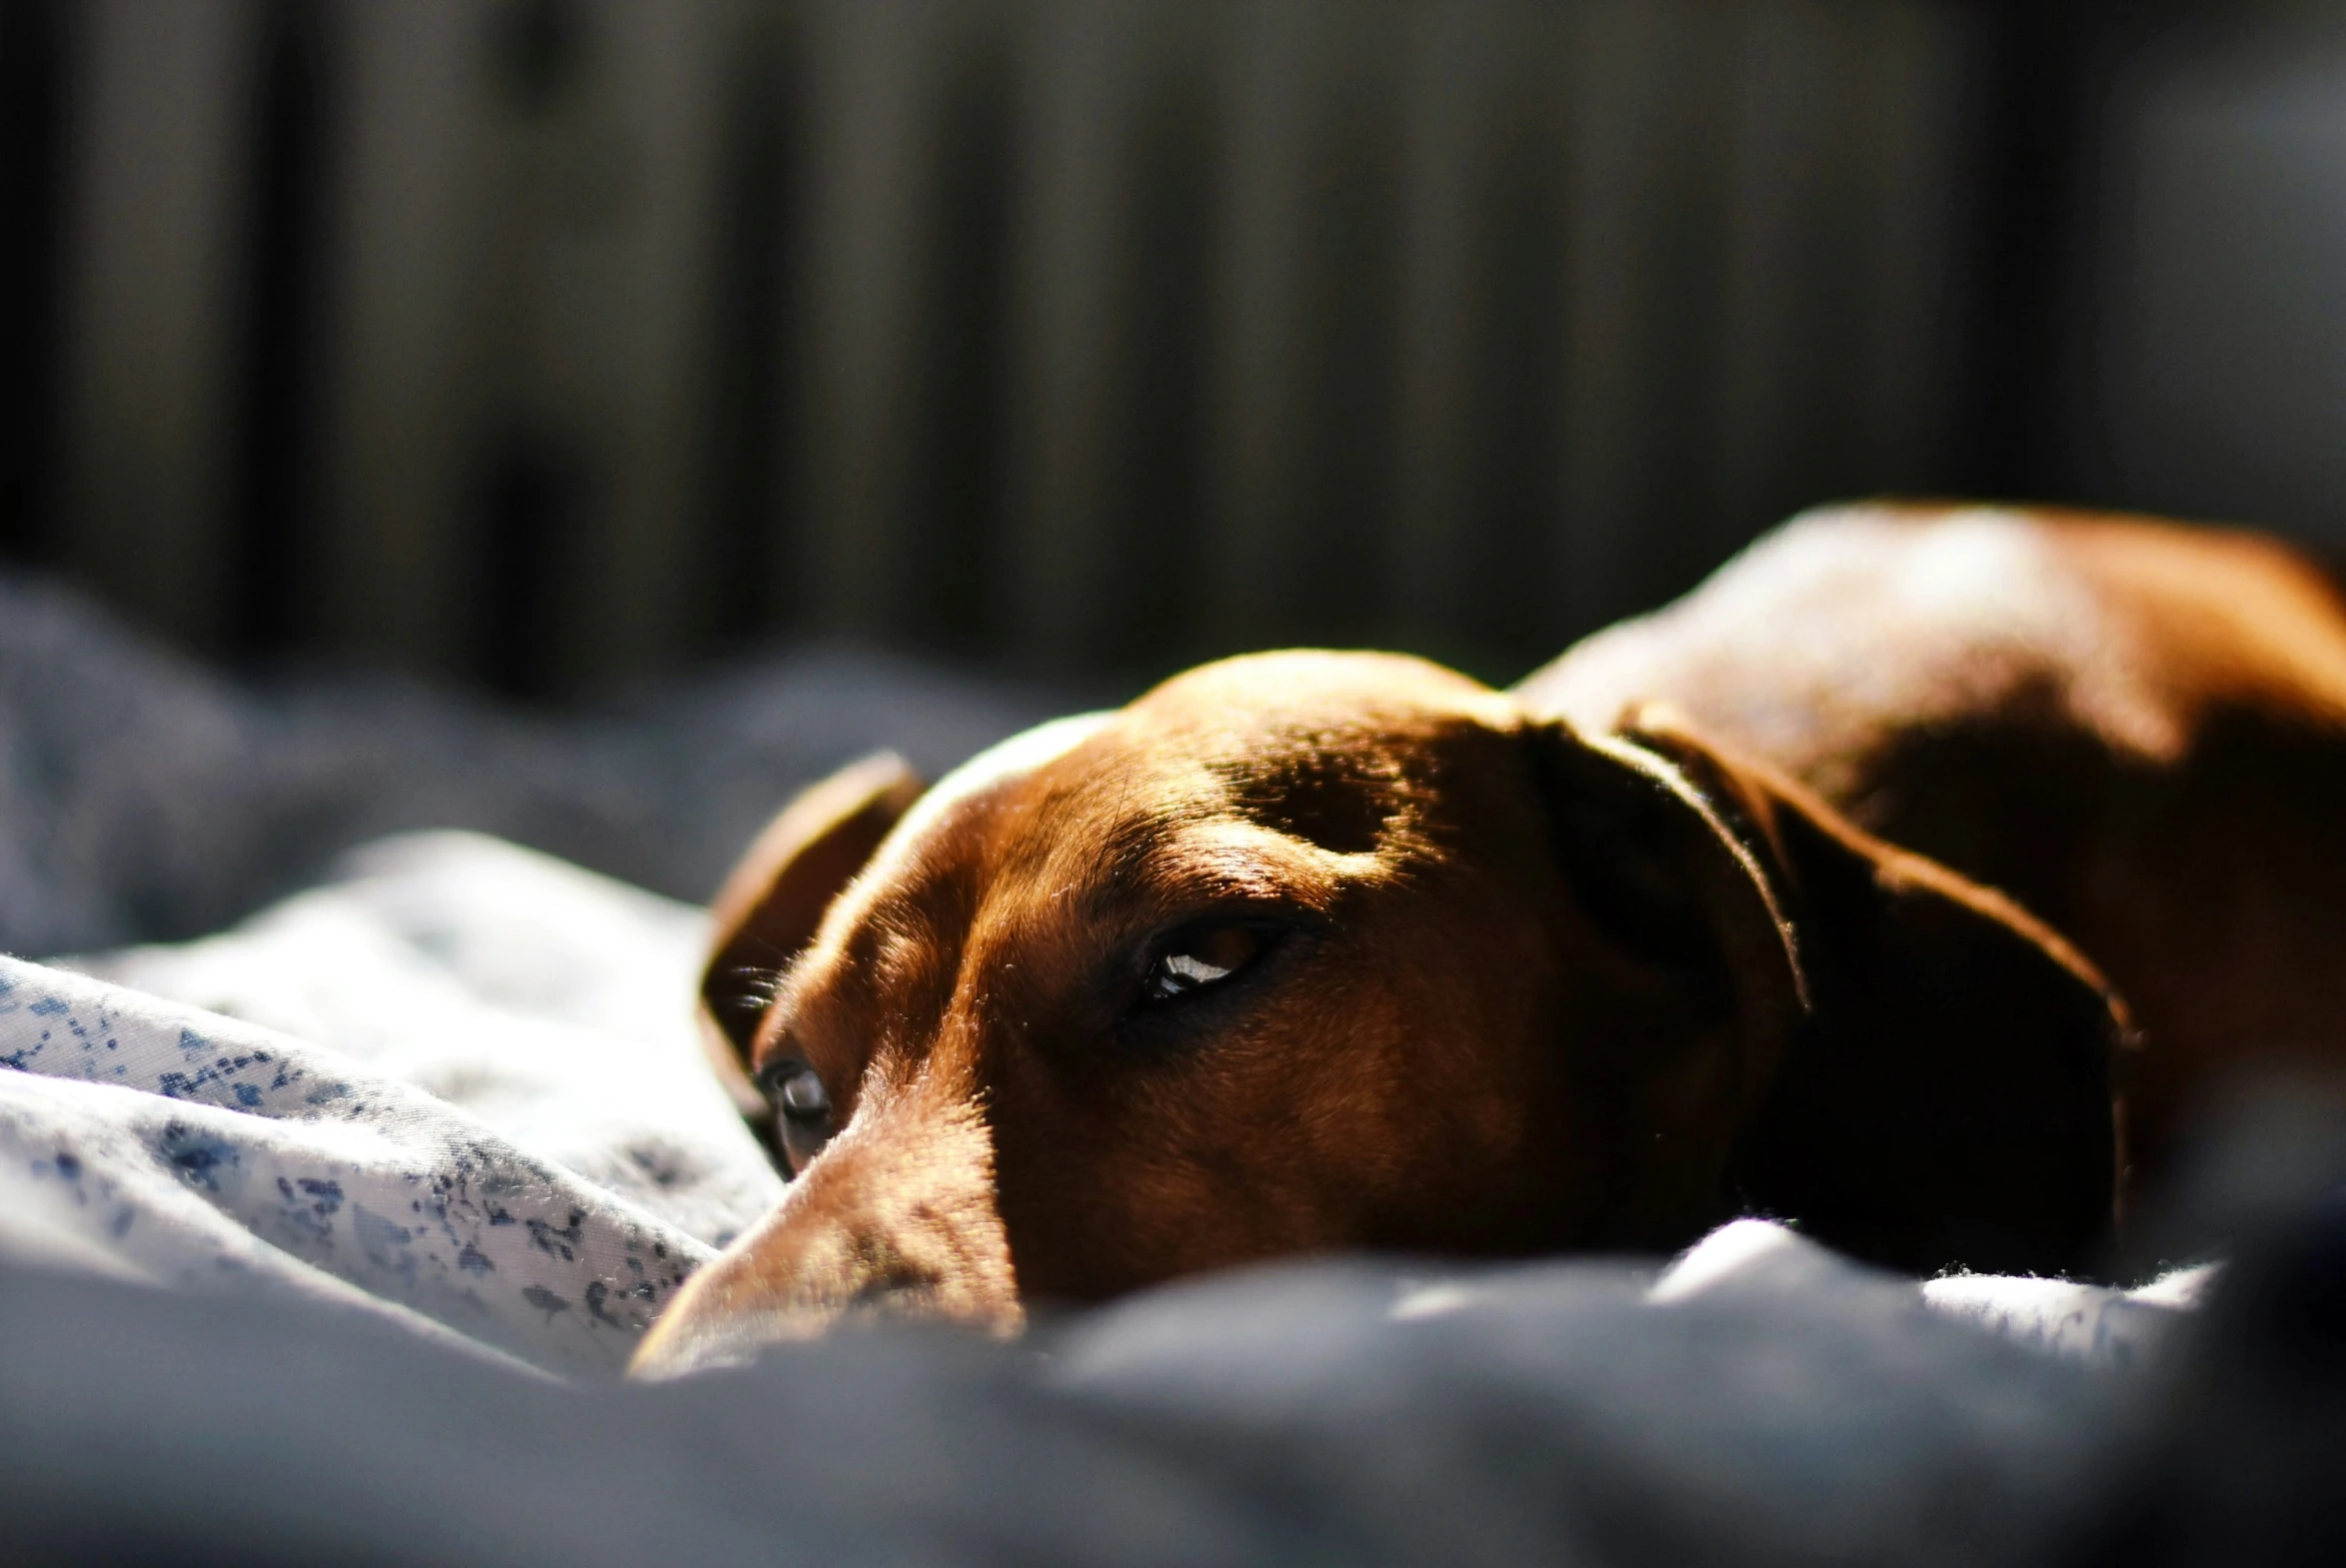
457,1087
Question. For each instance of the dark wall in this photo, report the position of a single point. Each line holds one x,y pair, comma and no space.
2206,361
549,342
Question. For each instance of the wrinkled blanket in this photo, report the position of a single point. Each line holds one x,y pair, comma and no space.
327,1194
450,1081
457,1088
143,797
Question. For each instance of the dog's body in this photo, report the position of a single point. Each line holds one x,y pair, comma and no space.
1304,952
2136,730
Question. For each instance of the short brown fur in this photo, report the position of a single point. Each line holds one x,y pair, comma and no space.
1794,896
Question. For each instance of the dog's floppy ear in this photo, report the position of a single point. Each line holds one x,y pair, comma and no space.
1942,1093
1652,868
767,910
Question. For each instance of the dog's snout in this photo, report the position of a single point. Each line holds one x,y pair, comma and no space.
896,1219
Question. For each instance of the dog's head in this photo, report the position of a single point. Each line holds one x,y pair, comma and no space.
1305,952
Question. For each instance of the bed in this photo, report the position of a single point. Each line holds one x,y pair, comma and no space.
352,1128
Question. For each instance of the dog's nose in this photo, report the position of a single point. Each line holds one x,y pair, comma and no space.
897,1218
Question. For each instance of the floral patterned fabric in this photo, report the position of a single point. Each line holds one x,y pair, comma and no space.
489,1119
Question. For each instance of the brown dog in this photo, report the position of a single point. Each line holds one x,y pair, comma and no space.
1313,950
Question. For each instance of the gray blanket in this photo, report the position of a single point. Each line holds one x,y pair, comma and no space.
296,1218
143,797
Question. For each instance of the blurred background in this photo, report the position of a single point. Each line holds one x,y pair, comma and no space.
548,345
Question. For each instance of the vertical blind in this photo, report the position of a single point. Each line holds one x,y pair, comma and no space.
549,342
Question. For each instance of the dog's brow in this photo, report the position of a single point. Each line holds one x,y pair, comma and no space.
1185,860
1132,848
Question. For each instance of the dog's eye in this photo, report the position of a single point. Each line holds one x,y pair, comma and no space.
803,1097
1205,955
803,1105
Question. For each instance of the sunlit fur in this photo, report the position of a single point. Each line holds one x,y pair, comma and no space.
1703,916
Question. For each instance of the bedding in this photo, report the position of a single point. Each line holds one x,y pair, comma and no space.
435,1032
384,1179
145,797
456,1088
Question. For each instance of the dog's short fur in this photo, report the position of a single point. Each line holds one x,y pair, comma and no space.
1796,897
